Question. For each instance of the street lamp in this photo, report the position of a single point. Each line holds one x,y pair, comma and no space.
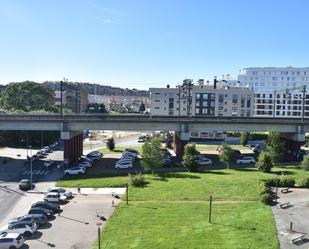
30,165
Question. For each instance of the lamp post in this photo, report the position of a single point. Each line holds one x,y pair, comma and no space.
30,165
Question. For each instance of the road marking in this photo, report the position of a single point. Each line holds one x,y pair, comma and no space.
46,173
26,172
38,172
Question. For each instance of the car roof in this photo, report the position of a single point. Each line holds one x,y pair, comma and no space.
25,180
9,235
52,193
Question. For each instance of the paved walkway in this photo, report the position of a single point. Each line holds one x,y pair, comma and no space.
296,212
98,191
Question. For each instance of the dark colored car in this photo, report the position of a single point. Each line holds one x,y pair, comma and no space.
47,205
25,218
85,159
37,210
132,151
39,219
25,184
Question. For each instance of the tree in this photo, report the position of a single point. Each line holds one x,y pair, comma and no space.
227,155
151,151
27,96
265,162
189,161
142,107
305,163
110,143
244,137
275,146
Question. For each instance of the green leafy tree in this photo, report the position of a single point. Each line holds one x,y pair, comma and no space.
110,143
305,163
244,137
227,155
188,160
26,96
265,162
151,151
275,146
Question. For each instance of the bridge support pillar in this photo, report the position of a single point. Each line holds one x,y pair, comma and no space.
73,147
293,142
179,145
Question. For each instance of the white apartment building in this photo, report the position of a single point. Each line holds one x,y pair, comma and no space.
206,100
278,92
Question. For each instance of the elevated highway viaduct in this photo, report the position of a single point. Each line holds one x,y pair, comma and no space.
71,127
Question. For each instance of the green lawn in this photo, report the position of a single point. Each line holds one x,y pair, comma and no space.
161,225
171,211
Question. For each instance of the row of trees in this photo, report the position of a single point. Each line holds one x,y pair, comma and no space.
27,96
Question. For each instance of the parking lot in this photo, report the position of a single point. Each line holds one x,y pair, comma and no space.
75,227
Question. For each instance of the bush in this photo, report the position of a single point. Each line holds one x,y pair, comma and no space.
305,163
272,182
110,144
286,182
265,162
263,189
188,160
137,180
305,183
266,198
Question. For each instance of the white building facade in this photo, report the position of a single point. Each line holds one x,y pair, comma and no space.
278,92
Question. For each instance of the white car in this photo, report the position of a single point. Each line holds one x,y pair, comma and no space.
11,240
95,155
55,197
245,160
24,228
122,159
204,161
129,154
123,165
61,191
75,171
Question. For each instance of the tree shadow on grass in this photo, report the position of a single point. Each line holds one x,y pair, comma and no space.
166,176
246,169
214,172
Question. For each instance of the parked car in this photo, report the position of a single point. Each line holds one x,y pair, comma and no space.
246,160
11,240
95,155
204,161
61,191
29,219
47,149
48,163
129,154
39,219
85,165
25,184
24,228
75,171
132,151
55,207
142,139
167,162
55,197
124,165
85,159
165,152
38,210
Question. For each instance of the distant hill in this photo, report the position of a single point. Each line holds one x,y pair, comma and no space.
99,89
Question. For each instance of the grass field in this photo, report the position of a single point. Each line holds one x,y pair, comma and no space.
171,211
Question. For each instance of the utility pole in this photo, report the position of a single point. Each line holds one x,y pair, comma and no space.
31,166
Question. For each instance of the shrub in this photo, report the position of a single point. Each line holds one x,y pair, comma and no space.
266,198
305,183
137,180
286,182
305,163
263,189
189,161
110,144
272,182
265,162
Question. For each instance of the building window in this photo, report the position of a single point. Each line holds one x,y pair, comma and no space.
197,96
194,134
157,108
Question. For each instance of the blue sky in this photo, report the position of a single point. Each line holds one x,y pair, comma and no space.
148,43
